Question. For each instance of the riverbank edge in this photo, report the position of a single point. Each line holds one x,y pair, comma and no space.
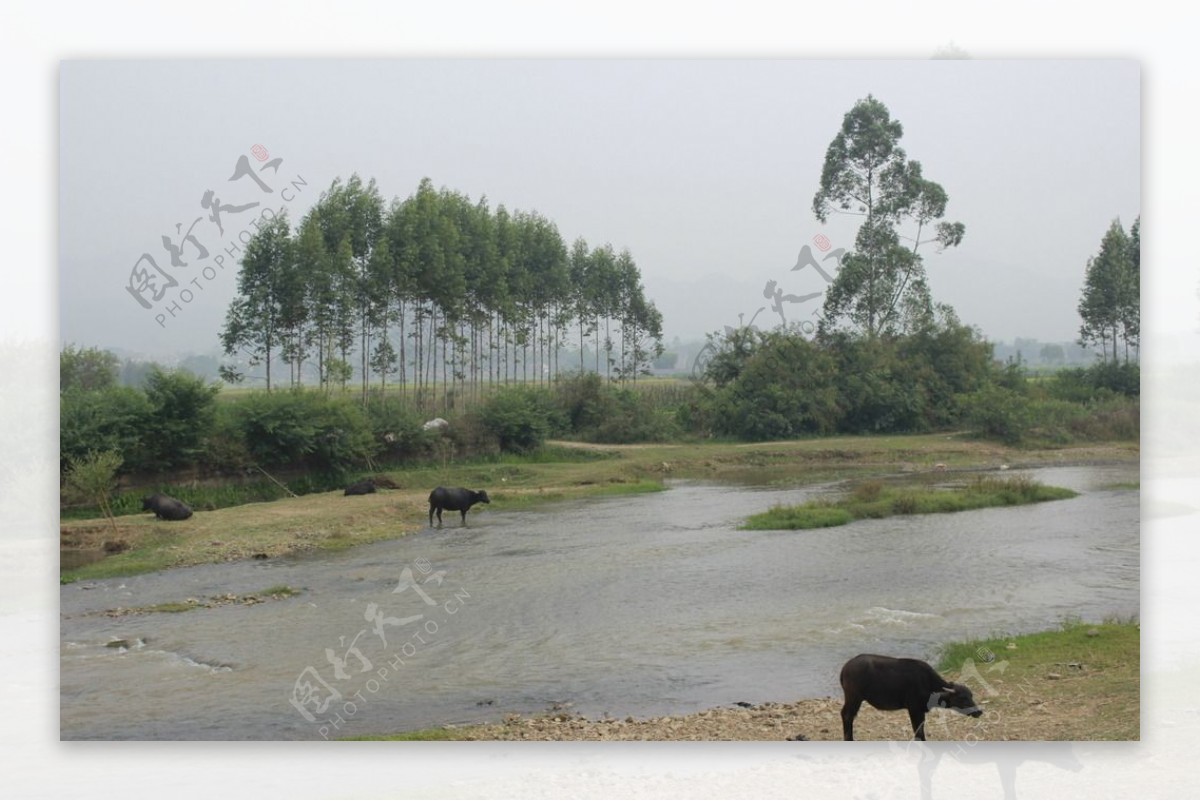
330,521
1078,682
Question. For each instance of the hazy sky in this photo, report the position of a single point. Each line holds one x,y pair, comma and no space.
704,169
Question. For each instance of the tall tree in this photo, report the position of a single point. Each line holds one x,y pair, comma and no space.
1131,309
353,213
254,321
881,287
1110,295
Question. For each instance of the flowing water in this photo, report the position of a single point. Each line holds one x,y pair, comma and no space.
640,605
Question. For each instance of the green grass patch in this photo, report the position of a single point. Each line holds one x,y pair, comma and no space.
1103,644
173,607
814,515
421,735
874,499
1079,682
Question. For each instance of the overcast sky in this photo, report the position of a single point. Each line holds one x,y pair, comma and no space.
704,169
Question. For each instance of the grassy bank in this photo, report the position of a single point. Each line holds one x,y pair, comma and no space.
875,499
1076,682
562,471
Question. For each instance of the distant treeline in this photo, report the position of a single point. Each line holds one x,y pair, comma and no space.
756,386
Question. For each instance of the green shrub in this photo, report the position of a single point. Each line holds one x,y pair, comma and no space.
599,412
304,428
109,419
520,418
997,413
181,418
398,430
1098,383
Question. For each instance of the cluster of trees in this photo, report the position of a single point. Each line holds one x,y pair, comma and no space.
1111,301
160,426
433,290
177,423
779,384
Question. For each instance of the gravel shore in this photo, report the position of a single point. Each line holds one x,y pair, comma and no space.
808,719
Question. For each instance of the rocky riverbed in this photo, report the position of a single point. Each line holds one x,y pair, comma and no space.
808,719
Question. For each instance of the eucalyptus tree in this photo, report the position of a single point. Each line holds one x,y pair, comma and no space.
579,270
485,282
510,246
546,287
1131,309
639,320
881,286
380,274
1110,292
602,301
314,265
254,321
402,287
353,213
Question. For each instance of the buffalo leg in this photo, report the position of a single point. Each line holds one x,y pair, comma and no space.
917,716
849,710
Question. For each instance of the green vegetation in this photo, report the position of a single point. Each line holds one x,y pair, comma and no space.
1110,302
1079,682
880,289
420,735
93,478
874,499
436,292
86,369
172,607
327,520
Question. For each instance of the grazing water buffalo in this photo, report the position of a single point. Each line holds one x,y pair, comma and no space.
454,499
888,683
364,487
165,507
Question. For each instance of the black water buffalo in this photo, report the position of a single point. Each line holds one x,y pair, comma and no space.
888,683
364,487
165,507
454,499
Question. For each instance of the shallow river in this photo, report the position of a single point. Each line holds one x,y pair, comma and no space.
641,605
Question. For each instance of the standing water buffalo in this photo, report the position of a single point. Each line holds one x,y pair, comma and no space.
888,683
165,507
454,499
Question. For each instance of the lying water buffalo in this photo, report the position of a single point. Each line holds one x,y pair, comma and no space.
454,499
888,683
364,487
165,507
